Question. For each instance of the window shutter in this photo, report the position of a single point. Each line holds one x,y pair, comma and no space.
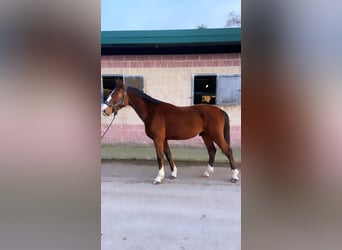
134,81
228,90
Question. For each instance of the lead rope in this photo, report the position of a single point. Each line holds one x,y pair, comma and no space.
110,124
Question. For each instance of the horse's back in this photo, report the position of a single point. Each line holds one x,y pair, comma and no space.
198,113
209,112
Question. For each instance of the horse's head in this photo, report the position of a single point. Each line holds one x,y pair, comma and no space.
116,100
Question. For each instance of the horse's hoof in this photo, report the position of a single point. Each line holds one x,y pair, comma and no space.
234,180
205,175
208,171
173,177
156,182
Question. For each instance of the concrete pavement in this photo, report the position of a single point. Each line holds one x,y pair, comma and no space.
190,212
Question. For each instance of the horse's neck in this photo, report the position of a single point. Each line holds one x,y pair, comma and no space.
140,105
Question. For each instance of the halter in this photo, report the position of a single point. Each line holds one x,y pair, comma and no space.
118,103
121,102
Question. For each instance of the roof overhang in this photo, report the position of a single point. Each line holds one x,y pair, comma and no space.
171,41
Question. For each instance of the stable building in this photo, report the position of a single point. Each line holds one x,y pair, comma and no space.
182,67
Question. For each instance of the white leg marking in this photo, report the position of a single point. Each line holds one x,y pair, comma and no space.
174,172
160,176
210,170
235,174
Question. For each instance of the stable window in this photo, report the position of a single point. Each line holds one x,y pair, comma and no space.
224,90
205,89
108,83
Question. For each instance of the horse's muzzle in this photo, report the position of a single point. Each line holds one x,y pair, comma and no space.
104,111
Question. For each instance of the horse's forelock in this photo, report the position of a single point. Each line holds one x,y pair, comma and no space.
119,83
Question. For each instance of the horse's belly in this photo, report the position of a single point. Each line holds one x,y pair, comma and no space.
180,137
181,125
182,133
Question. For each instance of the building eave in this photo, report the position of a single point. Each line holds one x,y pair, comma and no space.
171,41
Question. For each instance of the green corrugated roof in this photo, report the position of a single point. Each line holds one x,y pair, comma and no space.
194,36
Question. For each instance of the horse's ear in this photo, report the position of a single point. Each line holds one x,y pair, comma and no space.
118,82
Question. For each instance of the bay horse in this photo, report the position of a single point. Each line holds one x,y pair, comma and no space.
164,121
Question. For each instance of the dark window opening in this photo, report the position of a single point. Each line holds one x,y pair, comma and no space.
108,83
205,89
222,90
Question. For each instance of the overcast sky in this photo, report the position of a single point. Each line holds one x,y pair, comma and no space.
165,14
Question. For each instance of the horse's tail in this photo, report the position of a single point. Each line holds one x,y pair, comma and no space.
226,129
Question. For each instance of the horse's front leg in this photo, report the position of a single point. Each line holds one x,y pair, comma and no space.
159,146
168,155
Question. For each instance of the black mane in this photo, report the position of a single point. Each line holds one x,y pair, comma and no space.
143,95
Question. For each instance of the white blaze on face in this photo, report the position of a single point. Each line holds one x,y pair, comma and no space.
109,98
104,106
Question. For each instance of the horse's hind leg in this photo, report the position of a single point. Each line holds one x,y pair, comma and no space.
227,150
212,152
168,155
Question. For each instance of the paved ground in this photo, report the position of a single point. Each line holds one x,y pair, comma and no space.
190,212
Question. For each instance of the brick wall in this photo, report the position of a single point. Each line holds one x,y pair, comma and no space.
170,61
167,78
